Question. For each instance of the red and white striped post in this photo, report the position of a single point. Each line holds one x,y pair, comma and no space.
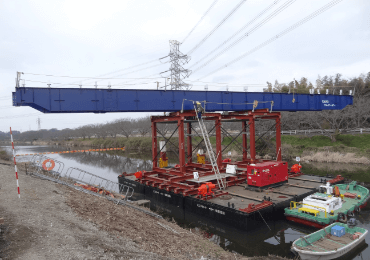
15,163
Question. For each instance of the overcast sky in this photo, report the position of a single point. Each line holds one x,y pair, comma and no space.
95,38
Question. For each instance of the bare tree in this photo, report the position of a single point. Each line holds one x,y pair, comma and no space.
143,125
125,127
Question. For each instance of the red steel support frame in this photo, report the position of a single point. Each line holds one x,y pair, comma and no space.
245,142
278,138
218,142
154,144
182,161
252,140
175,179
189,144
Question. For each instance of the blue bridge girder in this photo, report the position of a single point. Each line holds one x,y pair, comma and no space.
74,100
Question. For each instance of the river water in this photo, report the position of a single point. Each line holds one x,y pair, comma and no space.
273,237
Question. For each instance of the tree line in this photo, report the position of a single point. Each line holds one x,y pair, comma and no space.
359,85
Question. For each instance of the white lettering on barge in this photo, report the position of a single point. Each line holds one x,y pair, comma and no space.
211,209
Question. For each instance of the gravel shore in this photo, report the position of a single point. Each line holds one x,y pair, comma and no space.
52,221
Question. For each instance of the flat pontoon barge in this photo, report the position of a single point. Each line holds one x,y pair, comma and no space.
254,189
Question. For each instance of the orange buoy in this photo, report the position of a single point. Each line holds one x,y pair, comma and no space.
51,164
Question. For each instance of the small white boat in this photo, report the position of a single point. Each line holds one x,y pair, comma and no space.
321,245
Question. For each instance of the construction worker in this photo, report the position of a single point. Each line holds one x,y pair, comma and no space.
200,109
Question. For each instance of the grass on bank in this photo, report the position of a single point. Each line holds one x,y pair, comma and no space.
361,141
4,155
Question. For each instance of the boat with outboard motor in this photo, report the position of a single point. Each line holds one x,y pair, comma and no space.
330,204
336,240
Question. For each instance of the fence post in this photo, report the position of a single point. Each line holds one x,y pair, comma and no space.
361,130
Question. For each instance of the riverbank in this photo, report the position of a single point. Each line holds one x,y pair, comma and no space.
347,148
52,221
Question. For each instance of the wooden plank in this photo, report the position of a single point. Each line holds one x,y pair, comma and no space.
300,186
280,192
246,197
301,179
274,191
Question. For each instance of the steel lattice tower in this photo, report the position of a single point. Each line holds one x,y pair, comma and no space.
178,73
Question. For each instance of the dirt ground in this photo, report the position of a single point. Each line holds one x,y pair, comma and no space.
52,221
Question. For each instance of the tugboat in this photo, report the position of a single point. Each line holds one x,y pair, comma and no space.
329,205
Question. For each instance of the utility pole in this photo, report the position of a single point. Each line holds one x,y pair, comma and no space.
38,121
178,73
157,84
18,79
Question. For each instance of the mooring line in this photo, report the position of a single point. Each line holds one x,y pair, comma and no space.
263,219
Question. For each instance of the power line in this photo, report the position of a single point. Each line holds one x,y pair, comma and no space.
82,77
56,83
239,31
217,26
256,27
19,116
282,33
135,66
225,83
76,83
201,19
145,76
49,75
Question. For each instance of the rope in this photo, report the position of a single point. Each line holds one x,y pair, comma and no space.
263,219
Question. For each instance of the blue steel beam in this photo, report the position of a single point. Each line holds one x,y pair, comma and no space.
73,100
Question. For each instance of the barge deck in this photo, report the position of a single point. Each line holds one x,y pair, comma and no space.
239,206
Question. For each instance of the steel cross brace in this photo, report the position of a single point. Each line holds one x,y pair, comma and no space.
233,139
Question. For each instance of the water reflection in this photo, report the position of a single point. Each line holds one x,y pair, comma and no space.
114,162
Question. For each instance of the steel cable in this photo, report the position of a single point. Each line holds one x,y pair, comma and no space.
239,31
282,33
256,27
201,19
217,26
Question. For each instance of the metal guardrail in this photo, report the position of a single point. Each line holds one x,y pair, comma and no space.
319,131
92,179
308,132
80,176
118,202
38,159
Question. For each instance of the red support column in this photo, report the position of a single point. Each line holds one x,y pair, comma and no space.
245,141
278,139
182,161
252,140
189,144
154,145
218,142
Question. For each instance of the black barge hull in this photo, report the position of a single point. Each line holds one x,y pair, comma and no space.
225,214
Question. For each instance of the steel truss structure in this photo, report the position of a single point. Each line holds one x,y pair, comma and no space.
179,179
